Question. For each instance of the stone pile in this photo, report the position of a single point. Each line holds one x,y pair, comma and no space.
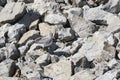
59,39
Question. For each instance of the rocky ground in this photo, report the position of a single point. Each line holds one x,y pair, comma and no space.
59,40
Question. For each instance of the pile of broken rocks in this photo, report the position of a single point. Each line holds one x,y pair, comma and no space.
59,40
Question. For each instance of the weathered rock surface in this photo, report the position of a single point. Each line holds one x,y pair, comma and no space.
63,68
59,40
55,18
30,35
11,12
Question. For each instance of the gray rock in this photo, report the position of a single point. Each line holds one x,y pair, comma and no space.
3,54
13,51
110,75
66,34
33,25
83,75
112,6
44,6
100,68
7,68
30,35
31,71
43,59
45,42
15,32
79,3
46,29
82,27
112,63
55,18
101,17
60,1
73,11
3,31
93,48
8,78
63,69
11,12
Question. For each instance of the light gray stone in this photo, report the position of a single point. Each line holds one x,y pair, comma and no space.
63,69
112,6
11,12
82,27
44,6
110,75
43,59
66,34
30,35
7,68
83,75
55,18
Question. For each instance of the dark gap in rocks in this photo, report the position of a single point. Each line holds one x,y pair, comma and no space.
73,67
70,2
13,69
115,42
61,53
118,75
100,22
84,63
67,25
116,55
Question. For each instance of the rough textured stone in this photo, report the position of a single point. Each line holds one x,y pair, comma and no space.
83,75
81,27
15,32
11,12
110,75
34,24
30,35
63,69
55,18
66,34
13,51
44,6
46,29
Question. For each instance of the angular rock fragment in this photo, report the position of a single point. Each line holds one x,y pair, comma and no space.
44,6
55,18
59,71
66,34
30,35
102,17
110,75
13,51
43,59
83,75
12,12
46,29
34,24
7,68
82,27
95,47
